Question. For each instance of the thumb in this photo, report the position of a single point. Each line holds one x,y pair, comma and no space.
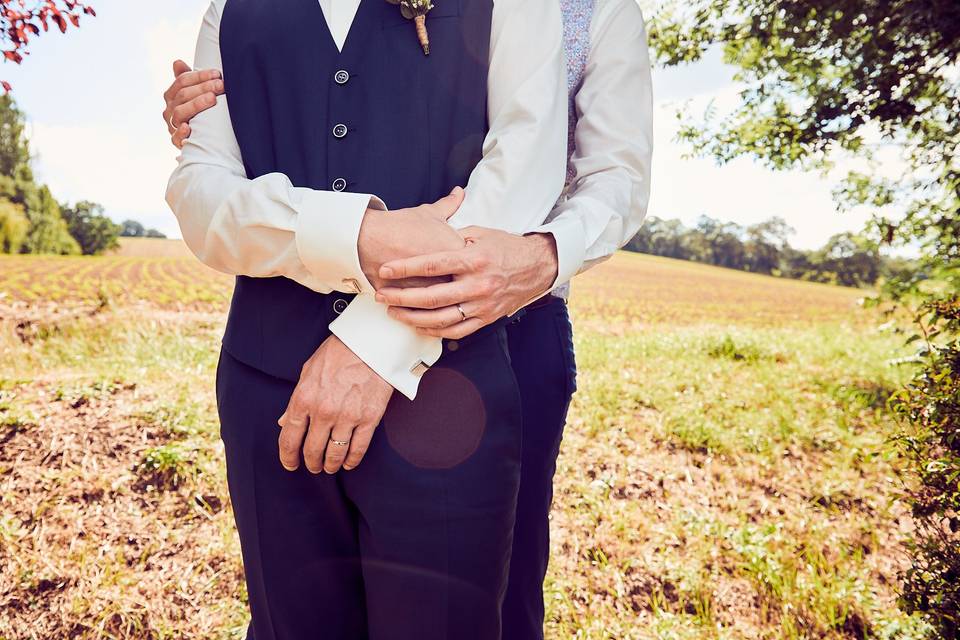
448,205
180,67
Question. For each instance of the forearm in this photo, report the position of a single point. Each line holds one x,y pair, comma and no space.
266,226
521,173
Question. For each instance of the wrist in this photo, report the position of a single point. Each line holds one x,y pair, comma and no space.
543,247
370,242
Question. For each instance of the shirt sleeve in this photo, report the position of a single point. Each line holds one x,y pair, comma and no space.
263,227
607,200
516,183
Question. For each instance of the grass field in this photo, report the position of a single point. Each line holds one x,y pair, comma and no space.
726,471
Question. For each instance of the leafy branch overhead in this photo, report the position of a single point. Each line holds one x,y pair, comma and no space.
821,76
21,20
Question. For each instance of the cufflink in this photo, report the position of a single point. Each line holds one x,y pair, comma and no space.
352,285
419,369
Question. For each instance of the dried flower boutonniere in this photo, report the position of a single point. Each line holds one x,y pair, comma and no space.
417,11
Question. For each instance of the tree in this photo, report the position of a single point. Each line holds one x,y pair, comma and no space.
132,229
13,226
21,19
47,232
828,76
93,231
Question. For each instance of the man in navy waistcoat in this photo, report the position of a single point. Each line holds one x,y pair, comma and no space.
337,112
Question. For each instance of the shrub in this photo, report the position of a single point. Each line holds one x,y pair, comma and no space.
931,406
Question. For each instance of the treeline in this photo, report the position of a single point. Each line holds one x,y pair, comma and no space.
31,219
847,258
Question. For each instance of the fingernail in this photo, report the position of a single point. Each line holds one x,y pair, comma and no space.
347,467
386,272
379,297
217,74
289,468
219,85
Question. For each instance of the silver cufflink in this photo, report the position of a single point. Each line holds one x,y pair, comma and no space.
419,369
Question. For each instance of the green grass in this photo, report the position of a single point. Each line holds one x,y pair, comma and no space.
727,470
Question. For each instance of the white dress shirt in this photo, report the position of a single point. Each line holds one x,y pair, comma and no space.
606,202
267,227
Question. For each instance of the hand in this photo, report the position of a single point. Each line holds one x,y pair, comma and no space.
390,235
190,93
338,399
494,275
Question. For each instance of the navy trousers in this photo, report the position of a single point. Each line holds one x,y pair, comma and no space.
541,352
451,500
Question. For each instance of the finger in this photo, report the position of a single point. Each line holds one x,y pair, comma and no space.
187,94
294,426
359,444
315,445
337,448
189,79
186,112
182,133
448,205
435,319
445,263
457,331
435,296
179,68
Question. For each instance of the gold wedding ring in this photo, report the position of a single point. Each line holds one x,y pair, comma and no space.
463,314
340,443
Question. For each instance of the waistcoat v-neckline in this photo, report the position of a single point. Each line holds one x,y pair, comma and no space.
357,26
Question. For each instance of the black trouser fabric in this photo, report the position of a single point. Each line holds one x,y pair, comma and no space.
541,352
413,544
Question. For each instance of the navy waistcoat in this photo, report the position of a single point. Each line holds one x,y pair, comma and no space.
379,117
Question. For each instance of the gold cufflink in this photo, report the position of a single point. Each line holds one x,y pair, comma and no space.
352,285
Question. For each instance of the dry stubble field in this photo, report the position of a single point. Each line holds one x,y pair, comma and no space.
726,472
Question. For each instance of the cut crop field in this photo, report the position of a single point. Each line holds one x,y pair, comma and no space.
727,469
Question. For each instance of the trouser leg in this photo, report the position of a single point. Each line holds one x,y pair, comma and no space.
298,532
436,494
541,349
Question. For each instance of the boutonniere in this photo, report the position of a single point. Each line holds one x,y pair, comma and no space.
417,11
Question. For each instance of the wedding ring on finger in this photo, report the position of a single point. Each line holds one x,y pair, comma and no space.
463,314
340,443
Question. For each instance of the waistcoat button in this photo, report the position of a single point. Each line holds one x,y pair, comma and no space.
340,131
453,345
339,306
341,77
339,184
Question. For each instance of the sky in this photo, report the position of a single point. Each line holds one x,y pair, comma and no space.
93,99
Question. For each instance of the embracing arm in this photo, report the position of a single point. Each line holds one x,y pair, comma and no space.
608,198
263,227
500,272
516,182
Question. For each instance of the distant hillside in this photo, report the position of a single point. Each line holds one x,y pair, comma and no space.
152,248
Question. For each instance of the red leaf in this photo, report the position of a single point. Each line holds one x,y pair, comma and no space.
75,20
13,56
6,86
58,19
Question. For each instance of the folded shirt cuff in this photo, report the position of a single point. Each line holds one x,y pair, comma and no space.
328,228
394,350
571,249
